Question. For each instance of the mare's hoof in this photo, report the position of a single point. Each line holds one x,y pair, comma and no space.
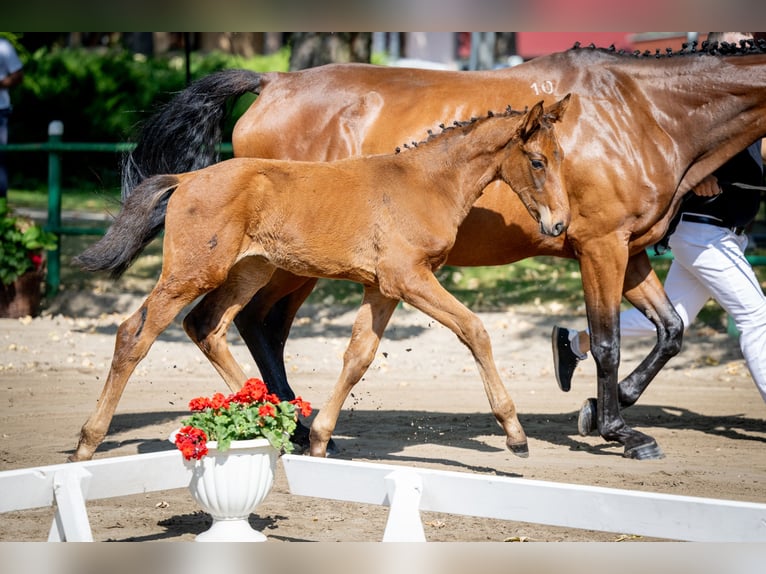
521,450
587,420
332,448
647,451
303,446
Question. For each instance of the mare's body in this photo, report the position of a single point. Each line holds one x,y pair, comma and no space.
385,221
647,131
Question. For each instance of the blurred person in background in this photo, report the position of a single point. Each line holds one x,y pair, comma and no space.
11,74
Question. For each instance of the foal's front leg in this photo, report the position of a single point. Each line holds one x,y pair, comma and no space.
370,322
421,289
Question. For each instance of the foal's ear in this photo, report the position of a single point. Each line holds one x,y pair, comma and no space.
556,111
531,122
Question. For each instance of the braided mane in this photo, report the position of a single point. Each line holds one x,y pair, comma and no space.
460,124
743,47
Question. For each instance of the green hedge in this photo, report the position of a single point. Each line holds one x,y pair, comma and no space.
101,95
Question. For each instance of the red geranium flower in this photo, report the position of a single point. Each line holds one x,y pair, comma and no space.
192,442
303,407
250,413
267,410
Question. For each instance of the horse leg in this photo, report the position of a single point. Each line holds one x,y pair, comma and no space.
264,324
134,338
422,290
603,292
208,323
370,322
645,291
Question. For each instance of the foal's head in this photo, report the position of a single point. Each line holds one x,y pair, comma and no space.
533,167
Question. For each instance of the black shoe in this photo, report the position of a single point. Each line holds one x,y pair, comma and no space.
564,359
587,420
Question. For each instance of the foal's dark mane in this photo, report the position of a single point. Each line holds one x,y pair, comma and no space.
742,48
468,124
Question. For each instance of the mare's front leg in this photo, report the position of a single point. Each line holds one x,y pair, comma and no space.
645,292
208,323
370,322
134,339
603,264
420,288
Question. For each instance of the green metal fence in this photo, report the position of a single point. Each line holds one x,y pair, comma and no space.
54,147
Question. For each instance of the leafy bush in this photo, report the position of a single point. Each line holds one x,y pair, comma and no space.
101,95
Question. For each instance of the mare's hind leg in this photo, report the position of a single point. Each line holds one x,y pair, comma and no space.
264,324
208,323
134,338
370,322
420,288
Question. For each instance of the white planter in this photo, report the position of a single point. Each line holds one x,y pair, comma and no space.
229,485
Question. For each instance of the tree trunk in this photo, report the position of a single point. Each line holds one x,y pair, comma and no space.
310,49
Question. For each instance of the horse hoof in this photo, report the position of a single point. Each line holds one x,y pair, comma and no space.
587,420
647,451
521,450
332,448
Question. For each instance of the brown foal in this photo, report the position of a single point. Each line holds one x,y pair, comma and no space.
385,221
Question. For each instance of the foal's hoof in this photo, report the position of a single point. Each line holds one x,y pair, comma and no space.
587,420
521,449
648,451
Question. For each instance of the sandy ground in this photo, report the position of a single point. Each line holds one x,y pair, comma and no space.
420,404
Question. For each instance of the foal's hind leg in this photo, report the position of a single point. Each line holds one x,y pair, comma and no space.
134,338
208,323
420,288
371,321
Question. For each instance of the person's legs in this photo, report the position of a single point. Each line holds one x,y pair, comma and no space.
3,172
685,290
718,260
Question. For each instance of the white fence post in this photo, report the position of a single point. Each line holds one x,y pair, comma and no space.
70,523
404,488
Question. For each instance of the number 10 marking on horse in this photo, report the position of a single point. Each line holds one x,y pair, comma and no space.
545,87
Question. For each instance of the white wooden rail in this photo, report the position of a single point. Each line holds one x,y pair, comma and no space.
69,486
410,490
406,490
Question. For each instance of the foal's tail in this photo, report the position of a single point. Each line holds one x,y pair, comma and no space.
184,134
140,220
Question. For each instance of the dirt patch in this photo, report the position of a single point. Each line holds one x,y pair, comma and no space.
420,404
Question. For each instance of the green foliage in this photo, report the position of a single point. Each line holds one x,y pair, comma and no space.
252,412
102,95
21,245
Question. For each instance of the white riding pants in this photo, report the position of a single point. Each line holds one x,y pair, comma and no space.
709,261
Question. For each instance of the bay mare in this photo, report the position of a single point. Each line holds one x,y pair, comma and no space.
385,221
648,129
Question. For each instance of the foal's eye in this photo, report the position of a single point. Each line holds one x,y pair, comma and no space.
537,164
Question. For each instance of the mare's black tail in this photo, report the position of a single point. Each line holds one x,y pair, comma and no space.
140,220
184,134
